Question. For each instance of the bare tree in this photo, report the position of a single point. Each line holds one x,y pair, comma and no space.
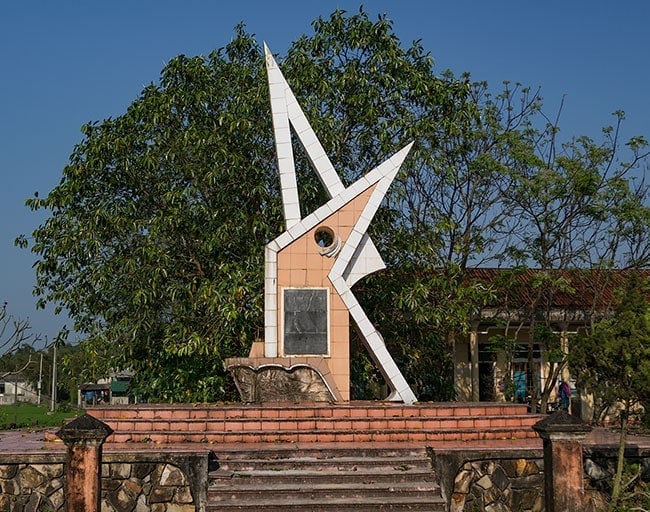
14,333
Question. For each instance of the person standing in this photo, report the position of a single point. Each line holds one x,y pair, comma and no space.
565,395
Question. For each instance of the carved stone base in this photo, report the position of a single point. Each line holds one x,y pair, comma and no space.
275,379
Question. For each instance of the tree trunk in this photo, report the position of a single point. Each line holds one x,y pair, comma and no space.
616,488
543,403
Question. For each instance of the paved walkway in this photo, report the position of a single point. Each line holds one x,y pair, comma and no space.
26,442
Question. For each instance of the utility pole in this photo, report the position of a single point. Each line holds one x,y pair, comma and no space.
54,380
40,379
15,400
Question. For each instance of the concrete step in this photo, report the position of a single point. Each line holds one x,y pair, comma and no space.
316,423
309,477
324,478
307,436
320,464
250,488
304,411
320,451
307,504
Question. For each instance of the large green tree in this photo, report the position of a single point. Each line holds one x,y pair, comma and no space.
613,362
154,244
154,240
573,205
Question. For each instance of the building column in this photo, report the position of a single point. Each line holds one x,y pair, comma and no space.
564,344
474,366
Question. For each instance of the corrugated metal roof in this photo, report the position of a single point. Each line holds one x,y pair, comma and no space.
566,289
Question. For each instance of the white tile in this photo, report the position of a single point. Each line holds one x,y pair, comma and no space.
355,309
270,275
271,349
338,282
296,231
321,165
353,278
345,295
280,119
336,202
307,136
309,222
367,214
271,306
277,95
323,212
284,239
400,156
332,181
358,261
292,218
375,200
366,183
365,326
300,124
355,236
270,317
272,248
290,197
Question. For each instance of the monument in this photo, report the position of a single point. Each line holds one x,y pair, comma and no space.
309,271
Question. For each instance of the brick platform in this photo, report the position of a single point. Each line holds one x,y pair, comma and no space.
322,423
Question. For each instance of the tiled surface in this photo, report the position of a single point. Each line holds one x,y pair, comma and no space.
357,422
26,442
291,259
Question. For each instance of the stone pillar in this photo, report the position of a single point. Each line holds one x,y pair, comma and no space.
84,437
562,435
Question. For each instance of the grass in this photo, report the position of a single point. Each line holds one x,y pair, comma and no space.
26,415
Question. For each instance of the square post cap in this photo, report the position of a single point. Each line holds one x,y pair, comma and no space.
85,429
562,425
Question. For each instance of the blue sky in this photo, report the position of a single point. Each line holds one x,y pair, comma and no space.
69,62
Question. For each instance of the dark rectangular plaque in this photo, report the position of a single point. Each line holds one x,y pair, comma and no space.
305,321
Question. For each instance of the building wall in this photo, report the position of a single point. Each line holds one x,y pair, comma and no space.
480,376
17,391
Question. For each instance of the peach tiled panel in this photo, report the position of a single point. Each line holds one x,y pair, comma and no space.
300,264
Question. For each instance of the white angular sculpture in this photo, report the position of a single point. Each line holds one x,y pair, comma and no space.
337,252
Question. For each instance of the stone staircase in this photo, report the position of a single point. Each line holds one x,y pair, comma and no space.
361,422
323,478
358,456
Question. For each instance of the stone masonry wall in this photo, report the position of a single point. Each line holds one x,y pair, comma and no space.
127,485
513,481
490,481
499,485
145,487
31,487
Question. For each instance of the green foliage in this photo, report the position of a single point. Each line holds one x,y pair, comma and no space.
73,369
635,495
155,235
613,362
155,240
